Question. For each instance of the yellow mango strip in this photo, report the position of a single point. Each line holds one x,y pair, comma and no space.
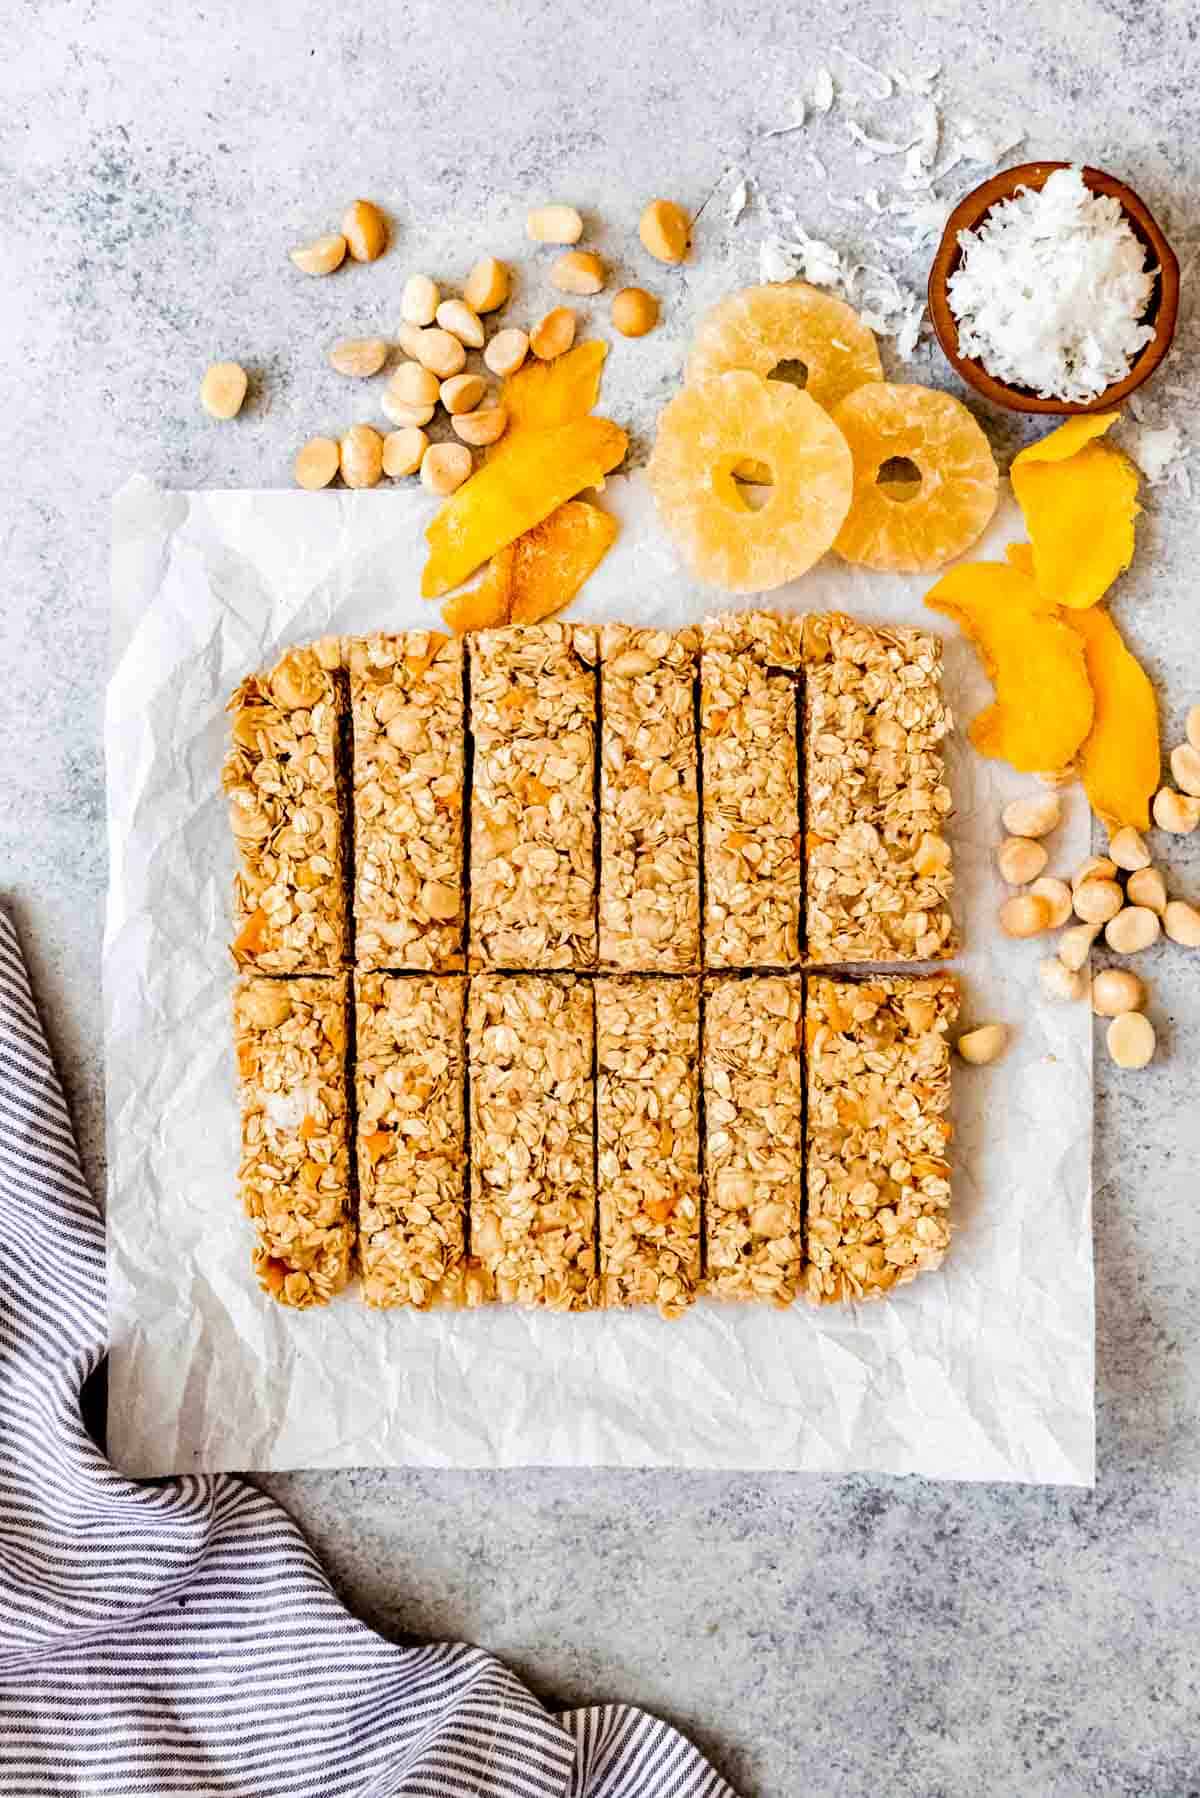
537,575
1079,498
1120,760
544,394
1043,707
486,606
554,559
508,496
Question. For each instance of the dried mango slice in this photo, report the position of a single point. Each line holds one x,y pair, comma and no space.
886,526
1043,708
553,560
787,321
537,575
1079,499
706,435
485,606
542,470
544,394
1121,759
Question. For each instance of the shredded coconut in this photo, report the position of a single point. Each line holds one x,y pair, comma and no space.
738,201
1051,290
822,90
1156,450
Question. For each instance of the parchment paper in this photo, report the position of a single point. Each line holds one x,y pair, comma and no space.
983,1370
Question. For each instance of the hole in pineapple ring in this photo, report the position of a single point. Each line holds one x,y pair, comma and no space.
900,478
792,370
750,485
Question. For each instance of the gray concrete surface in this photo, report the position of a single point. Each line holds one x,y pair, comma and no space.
818,1636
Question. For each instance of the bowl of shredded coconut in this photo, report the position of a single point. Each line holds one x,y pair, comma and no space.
1054,289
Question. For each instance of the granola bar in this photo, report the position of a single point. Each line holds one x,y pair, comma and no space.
533,721
290,1037
285,811
649,807
406,693
878,1094
878,864
411,1145
533,1198
648,1136
751,791
753,1137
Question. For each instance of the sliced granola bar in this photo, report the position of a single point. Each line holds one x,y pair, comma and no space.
878,1095
648,1132
753,1136
533,721
411,1148
748,739
406,693
533,1198
285,810
290,1038
649,808
878,863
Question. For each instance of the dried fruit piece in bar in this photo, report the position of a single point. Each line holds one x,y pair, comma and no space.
1079,499
878,1074
285,808
753,1137
706,436
533,1198
533,720
760,327
649,804
1043,707
512,493
648,1141
878,869
889,527
290,1041
748,704
411,1139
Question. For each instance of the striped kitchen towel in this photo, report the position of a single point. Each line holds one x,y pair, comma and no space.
180,1637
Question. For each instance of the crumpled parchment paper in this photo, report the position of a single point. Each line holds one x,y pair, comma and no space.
983,1370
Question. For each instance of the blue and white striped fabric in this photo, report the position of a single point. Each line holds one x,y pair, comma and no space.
180,1637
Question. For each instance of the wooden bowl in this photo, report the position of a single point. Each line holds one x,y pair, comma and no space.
1161,312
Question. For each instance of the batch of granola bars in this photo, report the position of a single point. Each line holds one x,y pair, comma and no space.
573,964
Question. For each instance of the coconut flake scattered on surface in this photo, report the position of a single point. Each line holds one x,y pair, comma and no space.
738,201
1051,290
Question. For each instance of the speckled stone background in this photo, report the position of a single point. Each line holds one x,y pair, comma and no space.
836,1637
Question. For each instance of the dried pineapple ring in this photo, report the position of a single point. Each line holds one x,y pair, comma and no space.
760,327
959,483
709,431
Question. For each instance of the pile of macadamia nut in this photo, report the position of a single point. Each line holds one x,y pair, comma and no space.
436,334
1121,894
